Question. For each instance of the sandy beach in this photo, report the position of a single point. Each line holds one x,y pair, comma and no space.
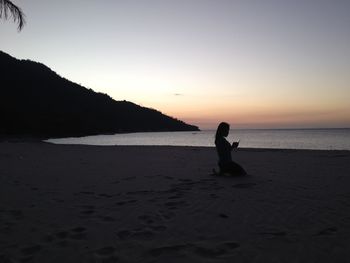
70,203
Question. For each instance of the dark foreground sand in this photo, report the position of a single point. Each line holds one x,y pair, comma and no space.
160,204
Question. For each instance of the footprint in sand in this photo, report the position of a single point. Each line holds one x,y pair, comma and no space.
177,196
88,211
209,252
176,249
120,203
105,195
142,192
175,204
76,234
181,187
202,250
16,182
142,234
31,250
48,239
105,251
16,214
7,227
78,229
274,234
107,254
221,250
28,253
9,220
62,234
159,228
186,180
214,196
327,231
123,234
153,200
151,222
86,193
107,219
147,219
223,215
63,243
57,200
166,215
129,178
244,185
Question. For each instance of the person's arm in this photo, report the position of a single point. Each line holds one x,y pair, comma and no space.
235,145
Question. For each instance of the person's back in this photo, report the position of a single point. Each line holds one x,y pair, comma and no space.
223,148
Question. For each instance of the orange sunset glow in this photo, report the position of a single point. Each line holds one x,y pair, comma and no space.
255,64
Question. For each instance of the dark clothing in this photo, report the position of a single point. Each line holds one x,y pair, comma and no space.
224,148
232,168
226,165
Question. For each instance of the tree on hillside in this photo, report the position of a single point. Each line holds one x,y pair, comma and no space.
8,9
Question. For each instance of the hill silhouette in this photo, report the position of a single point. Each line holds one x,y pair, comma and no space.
35,101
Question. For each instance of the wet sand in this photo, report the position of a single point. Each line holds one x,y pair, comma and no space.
67,203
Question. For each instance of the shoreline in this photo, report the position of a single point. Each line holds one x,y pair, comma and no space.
81,203
273,139
248,149
181,146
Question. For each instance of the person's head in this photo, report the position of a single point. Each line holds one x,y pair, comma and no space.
223,130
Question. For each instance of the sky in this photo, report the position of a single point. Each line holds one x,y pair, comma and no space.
251,63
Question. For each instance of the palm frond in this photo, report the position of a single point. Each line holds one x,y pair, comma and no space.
8,9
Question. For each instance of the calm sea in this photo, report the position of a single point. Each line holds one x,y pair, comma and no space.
321,139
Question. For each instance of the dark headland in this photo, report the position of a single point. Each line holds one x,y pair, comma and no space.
37,102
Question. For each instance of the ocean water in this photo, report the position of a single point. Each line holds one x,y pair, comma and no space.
319,139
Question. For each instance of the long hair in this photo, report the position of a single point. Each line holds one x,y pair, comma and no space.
222,130
8,9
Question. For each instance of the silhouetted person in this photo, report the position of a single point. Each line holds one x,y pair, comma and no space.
224,149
